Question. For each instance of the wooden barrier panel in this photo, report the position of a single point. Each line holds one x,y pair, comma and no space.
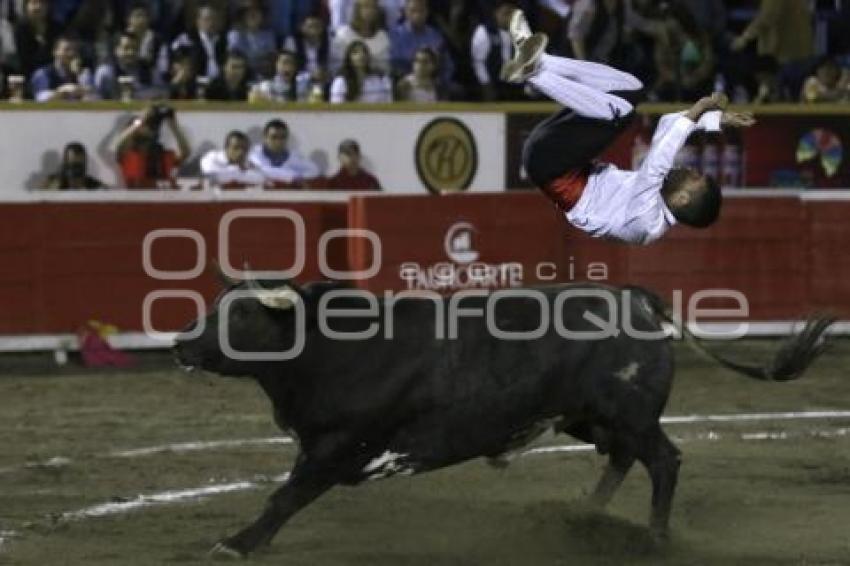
784,255
65,263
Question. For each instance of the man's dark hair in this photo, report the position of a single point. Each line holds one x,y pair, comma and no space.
236,134
703,208
275,124
74,147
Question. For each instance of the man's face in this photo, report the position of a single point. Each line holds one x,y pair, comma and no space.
349,159
276,140
138,21
423,65
286,67
36,9
688,183
207,21
368,9
236,150
127,51
64,53
416,12
235,70
75,163
312,28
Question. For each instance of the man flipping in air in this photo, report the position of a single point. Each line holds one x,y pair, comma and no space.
636,207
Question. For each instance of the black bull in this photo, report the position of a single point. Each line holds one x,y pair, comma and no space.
376,407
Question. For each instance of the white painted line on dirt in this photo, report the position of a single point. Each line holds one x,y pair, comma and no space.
711,436
195,494
5,536
164,498
743,417
198,445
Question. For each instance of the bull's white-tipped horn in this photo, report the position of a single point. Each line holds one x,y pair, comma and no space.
281,298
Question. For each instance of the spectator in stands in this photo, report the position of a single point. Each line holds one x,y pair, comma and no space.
233,84
229,168
35,36
351,175
287,85
65,78
366,27
358,81
342,12
8,48
125,63
422,85
765,69
457,20
783,30
281,166
208,46
182,79
253,39
595,30
312,48
72,174
145,163
492,47
284,16
684,58
413,33
151,52
830,83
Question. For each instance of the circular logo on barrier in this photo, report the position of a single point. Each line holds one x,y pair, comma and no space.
446,156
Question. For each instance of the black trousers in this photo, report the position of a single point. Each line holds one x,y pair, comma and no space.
566,141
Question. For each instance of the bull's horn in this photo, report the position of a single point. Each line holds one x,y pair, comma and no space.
280,298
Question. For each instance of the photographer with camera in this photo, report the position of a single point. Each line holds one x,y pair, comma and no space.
145,163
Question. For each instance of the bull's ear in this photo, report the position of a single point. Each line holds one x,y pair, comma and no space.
279,298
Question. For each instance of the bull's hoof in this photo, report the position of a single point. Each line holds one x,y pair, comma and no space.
221,551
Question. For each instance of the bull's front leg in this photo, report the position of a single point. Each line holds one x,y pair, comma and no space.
302,488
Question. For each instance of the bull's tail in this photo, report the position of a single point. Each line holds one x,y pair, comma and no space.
789,362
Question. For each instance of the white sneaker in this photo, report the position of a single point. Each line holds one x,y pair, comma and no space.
518,28
526,59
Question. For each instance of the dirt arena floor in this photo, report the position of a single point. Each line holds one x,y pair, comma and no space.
77,450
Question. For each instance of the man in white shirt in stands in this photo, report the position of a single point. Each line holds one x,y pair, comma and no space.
636,207
229,168
281,166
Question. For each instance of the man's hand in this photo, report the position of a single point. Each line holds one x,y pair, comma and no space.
737,120
717,101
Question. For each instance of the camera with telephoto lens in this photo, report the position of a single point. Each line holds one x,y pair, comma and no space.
158,114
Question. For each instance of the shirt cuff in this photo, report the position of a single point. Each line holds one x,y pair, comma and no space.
710,121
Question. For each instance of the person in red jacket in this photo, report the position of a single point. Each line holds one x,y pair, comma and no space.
351,176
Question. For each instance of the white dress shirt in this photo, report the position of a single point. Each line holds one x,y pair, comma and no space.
222,173
627,205
376,89
295,168
481,46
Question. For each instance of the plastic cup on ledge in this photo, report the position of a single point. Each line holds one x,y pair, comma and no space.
16,88
125,84
202,84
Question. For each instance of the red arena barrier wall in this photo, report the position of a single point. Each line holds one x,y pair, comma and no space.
62,263
783,254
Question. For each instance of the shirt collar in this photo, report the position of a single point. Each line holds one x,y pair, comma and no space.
668,214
